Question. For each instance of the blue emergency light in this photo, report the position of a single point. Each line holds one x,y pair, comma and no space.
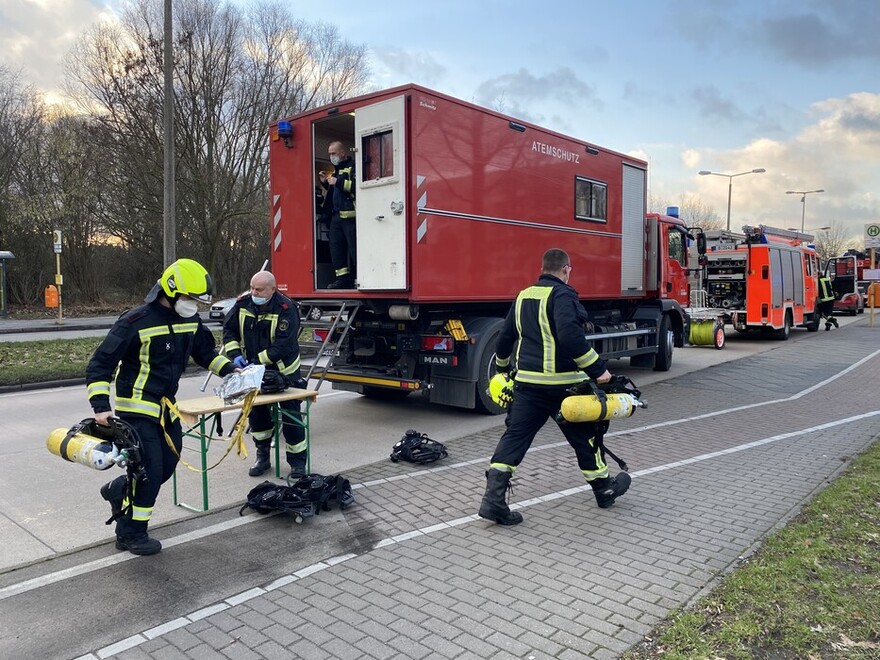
285,132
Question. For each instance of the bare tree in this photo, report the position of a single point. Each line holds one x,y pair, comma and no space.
691,209
835,241
235,71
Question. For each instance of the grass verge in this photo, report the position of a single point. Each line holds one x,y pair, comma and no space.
42,361
812,591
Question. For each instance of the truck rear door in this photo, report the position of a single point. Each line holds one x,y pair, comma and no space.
381,195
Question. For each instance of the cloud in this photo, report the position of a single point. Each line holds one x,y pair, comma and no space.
833,32
513,93
395,66
839,151
36,35
711,105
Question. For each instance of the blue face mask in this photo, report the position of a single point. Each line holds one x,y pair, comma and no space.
259,301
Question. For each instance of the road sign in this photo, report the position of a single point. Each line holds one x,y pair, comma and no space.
872,235
56,239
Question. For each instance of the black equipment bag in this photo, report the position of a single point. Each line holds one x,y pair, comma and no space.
417,448
273,382
307,496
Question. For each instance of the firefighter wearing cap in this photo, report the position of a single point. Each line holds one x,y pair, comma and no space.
150,347
546,324
263,328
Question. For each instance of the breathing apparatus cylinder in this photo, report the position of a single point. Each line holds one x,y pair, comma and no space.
78,447
589,408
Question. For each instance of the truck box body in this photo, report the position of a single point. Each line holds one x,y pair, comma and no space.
455,206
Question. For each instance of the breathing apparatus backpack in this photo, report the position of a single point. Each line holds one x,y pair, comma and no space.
417,448
99,447
306,497
598,403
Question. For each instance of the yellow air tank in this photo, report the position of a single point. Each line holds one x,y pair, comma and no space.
589,408
77,447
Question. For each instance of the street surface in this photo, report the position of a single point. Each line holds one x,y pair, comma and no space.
732,443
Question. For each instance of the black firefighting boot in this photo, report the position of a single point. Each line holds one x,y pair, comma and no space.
494,505
610,488
114,492
297,463
834,321
263,462
132,535
827,326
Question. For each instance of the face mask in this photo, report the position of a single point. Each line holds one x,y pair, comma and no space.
186,307
259,301
334,160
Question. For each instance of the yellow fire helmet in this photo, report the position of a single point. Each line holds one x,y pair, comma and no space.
501,389
189,278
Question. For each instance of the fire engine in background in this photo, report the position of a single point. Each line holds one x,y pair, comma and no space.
455,206
763,279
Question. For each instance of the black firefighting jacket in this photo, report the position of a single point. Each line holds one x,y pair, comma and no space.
151,346
344,189
548,319
266,335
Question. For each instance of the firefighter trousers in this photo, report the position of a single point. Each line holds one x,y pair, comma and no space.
532,406
159,460
292,429
343,246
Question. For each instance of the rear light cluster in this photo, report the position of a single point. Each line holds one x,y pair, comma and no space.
438,344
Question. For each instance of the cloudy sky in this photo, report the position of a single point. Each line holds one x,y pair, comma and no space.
727,86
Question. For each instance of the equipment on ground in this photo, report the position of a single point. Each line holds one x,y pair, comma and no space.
306,497
417,448
99,447
598,402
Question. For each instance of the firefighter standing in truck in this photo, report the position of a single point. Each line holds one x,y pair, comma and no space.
343,235
263,328
546,322
150,346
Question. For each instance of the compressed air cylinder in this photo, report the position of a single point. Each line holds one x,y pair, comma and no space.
82,448
588,408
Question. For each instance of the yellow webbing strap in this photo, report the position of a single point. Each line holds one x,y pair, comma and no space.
237,433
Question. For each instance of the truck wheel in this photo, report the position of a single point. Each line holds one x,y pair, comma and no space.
783,333
482,401
665,339
719,336
813,325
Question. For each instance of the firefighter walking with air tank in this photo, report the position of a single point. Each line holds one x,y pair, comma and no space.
546,323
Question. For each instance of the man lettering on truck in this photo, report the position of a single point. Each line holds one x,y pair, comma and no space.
343,238
553,355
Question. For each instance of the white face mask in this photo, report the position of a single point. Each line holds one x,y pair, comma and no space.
259,301
186,307
335,160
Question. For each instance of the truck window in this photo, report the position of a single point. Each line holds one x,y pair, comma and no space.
590,200
676,247
378,152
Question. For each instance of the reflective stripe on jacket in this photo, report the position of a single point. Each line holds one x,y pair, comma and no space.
266,335
826,292
548,319
148,349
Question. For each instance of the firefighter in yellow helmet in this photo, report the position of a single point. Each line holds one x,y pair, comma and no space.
546,325
150,346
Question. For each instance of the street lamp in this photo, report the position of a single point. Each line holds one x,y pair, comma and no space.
757,170
803,194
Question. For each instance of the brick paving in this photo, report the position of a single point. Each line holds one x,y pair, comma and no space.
572,581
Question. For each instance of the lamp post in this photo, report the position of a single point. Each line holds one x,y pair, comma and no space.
803,194
757,170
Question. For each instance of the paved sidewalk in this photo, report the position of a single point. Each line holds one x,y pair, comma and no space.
720,459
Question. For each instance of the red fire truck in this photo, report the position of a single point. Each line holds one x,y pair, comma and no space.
455,206
763,279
